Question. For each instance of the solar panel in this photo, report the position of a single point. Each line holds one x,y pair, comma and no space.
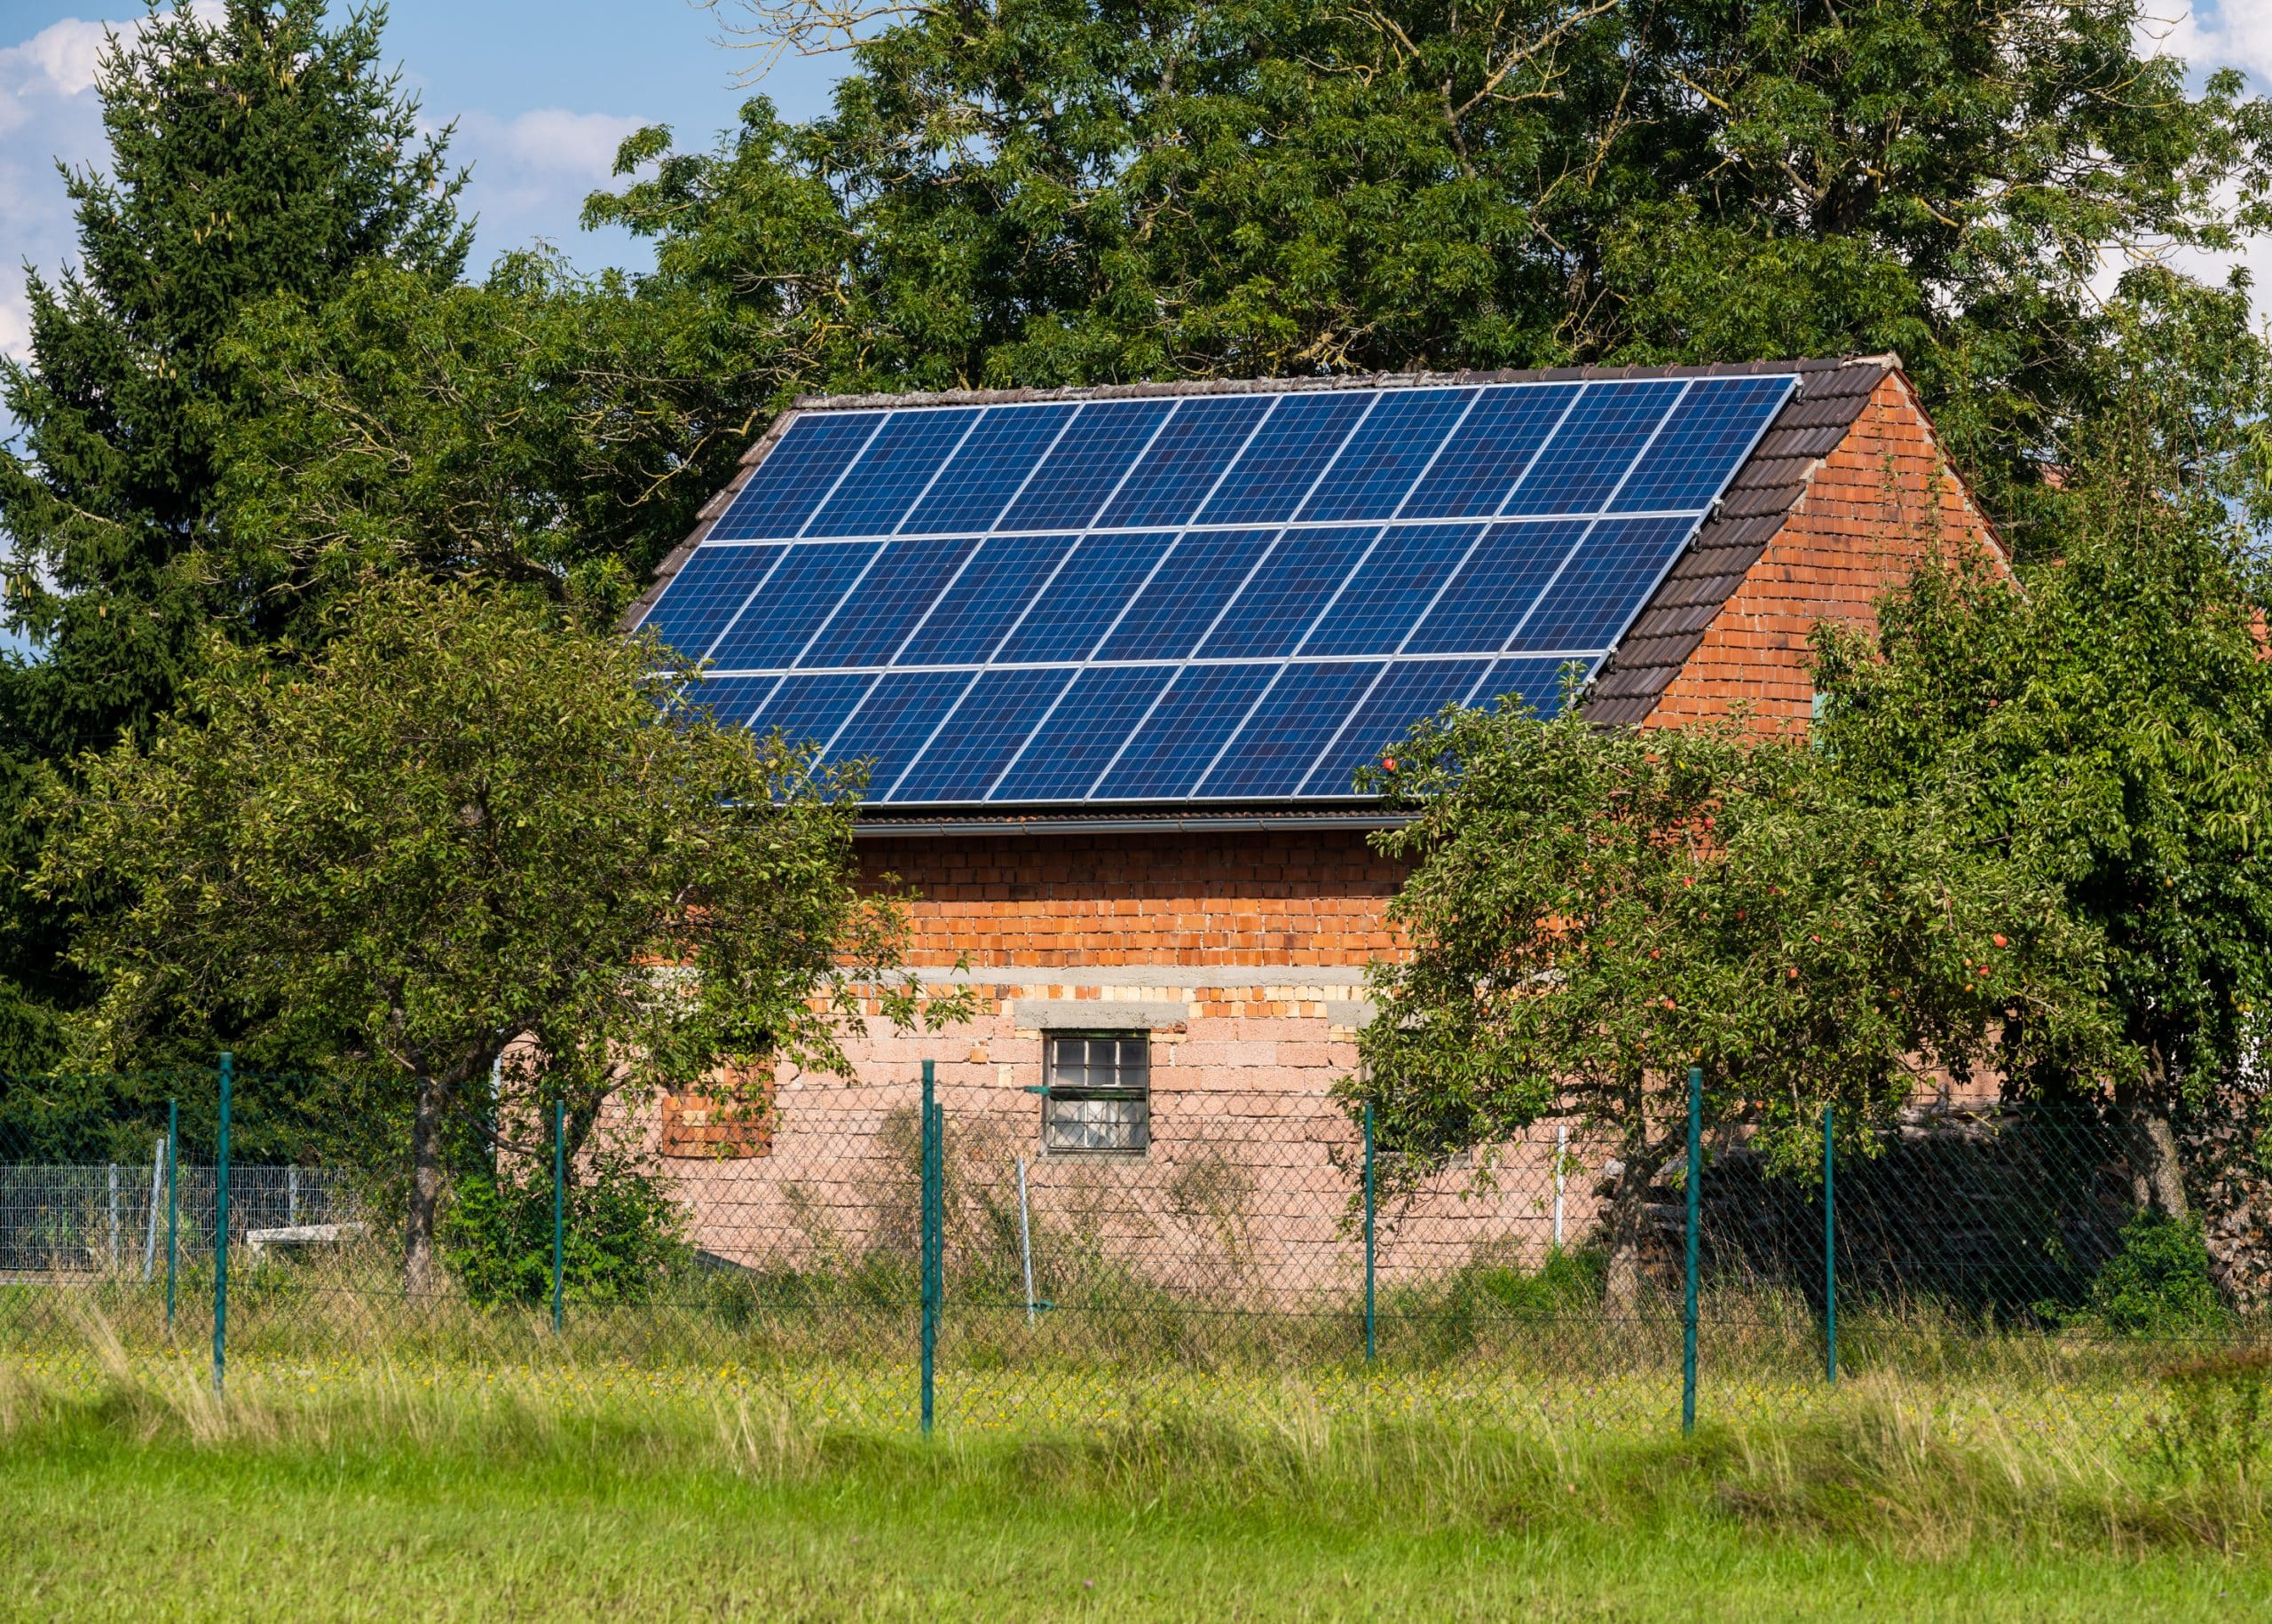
1214,597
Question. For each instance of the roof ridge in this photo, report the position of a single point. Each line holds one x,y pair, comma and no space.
884,399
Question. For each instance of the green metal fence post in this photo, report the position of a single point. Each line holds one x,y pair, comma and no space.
173,1205
933,1252
559,1201
1368,1232
1829,1249
221,1227
1688,1311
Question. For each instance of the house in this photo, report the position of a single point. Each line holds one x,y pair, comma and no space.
1115,653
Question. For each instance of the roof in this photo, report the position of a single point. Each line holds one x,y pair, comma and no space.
1826,398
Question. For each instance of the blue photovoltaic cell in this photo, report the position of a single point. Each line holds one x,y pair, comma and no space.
1488,452
1383,458
1412,688
876,620
703,596
893,721
891,473
1269,481
1192,450
784,489
977,483
984,732
1376,611
1185,730
1071,748
1596,444
729,699
1273,752
1171,615
1068,619
985,601
800,595
1692,455
809,709
1103,573
1534,683
1074,480
1603,587
1501,579
1286,593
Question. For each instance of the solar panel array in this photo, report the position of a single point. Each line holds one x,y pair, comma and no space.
1197,597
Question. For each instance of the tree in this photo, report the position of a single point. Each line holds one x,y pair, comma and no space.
253,151
2105,724
1591,912
464,834
1040,192
540,431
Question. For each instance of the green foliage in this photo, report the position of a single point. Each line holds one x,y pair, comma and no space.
253,151
464,837
625,1236
1592,911
538,430
2104,722
2217,1423
1038,192
2157,1284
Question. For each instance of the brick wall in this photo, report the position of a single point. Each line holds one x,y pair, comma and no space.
1248,901
1871,511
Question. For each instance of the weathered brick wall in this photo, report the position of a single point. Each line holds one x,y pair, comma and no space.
1873,508
1234,900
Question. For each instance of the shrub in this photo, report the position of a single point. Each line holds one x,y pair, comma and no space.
625,1236
2157,1283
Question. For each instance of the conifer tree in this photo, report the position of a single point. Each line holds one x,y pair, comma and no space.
260,150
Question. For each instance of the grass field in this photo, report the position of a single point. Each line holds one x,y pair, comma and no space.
435,1492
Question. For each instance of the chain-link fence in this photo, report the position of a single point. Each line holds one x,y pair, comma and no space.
899,1253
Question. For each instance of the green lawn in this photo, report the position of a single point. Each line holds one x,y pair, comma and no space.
433,1496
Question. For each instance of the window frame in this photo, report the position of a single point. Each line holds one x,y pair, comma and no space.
1052,1092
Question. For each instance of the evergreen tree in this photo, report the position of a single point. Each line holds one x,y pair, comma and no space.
256,152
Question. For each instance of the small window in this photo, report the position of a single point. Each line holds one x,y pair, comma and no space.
1099,1095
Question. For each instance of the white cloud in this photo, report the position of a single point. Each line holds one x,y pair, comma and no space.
581,145
2231,34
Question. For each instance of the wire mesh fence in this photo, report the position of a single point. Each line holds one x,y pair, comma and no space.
897,1254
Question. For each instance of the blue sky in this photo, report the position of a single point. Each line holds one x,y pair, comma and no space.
542,91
